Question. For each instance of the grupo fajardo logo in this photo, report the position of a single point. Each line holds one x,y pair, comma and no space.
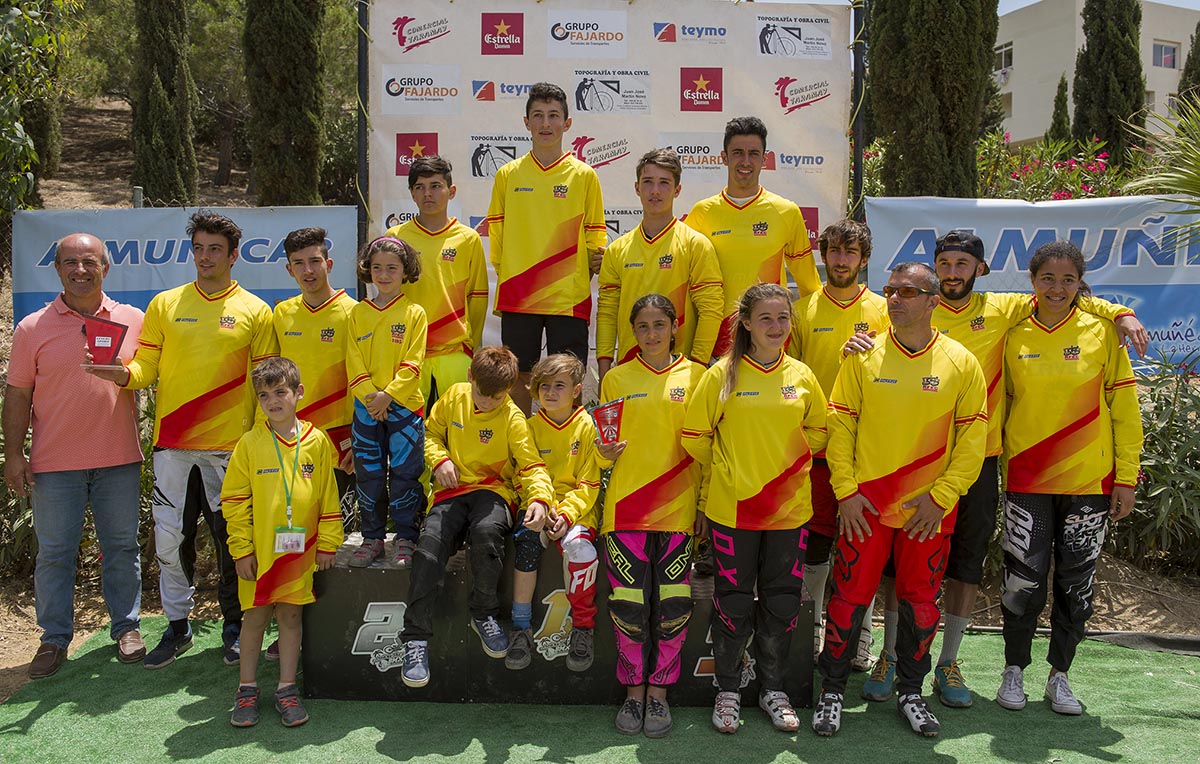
411,32
669,31
409,146
491,152
700,88
697,151
502,34
794,94
421,89
598,153
594,34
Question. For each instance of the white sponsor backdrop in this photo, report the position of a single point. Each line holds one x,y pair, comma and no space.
451,79
1133,257
150,250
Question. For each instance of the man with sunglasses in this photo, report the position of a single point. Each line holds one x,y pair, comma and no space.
907,431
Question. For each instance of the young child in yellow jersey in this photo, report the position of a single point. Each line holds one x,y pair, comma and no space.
384,353
650,514
280,503
482,458
565,436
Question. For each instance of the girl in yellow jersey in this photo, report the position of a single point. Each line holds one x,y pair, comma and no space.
755,420
1072,443
649,516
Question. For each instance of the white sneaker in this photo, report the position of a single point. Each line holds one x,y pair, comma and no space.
827,716
727,711
1062,700
1011,694
916,711
778,706
864,657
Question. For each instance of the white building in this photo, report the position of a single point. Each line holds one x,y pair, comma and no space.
1037,43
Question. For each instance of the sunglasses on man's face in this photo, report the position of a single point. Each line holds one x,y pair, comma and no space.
907,292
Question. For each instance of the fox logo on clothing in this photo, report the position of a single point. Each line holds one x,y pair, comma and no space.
228,322
485,436
789,392
1071,353
583,579
449,253
560,191
398,331
760,229
930,384
306,470
977,324
666,261
327,335
677,394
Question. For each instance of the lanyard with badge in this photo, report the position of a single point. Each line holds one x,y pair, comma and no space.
288,539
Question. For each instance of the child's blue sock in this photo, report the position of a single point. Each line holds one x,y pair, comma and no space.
522,615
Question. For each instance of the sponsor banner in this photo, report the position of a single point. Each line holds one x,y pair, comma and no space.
150,251
701,88
398,211
621,220
1133,257
412,32
795,36
409,146
491,152
499,90
612,91
421,89
600,150
670,31
502,34
586,34
794,94
699,153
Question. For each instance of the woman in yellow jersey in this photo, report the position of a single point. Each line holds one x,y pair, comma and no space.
754,422
1072,442
650,516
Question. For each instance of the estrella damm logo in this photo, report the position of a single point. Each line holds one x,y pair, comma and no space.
485,436
575,444
327,335
502,34
307,470
398,331
1071,353
930,384
789,392
760,228
228,322
701,88
449,253
666,261
862,326
560,191
678,394
977,324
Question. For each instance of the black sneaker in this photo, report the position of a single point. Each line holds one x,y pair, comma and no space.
520,650
233,652
916,711
170,647
245,707
827,716
580,649
291,710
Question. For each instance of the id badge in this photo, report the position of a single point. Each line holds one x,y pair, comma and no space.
289,540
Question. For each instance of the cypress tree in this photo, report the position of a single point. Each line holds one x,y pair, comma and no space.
1109,88
164,104
930,65
1060,122
993,108
283,78
1189,78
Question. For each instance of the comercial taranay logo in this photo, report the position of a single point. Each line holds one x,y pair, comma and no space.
502,34
409,146
412,33
794,94
599,154
700,88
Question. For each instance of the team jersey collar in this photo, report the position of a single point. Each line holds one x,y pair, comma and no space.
301,433
661,233
574,415
659,372
1052,329
449,224
908,353
324,305
382,308
959,311
764,369
862,289
726,198
552,165
219,295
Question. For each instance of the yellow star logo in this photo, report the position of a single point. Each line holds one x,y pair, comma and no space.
700,83
416,149
502,28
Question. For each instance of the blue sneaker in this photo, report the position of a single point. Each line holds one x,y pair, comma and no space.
492,635
170,647
883,677
414,669
950,687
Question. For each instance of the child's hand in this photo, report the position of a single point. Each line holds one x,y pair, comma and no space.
560,525
377,405
612,450
325,560
347,463
446,475
247,567
535,516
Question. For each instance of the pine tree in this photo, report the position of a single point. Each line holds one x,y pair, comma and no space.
1189,78
164,104
1060,122
1109,89
283,77
930,63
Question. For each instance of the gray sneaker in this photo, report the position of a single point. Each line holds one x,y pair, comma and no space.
245,707
492,635
580,649
291,711
520,650
658,718
1011,694
629,718
1062,700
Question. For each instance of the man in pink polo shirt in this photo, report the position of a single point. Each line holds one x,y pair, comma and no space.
85,450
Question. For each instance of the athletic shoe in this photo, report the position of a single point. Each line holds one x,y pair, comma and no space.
658,718
520,650
402,553
414,667
778,706
291,710
863,657
233,652
629,718
914,708
170,647
580,649
879,685
1062,700
827,716
1011,694
950,687
273,652
727,712
492,635
367,553
245,707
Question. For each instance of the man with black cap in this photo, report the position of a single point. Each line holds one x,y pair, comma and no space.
980,321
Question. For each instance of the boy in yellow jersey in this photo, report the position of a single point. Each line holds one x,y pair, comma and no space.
281,504
820,324
565,437
483,459
198,344
453,288
546,236
756,233
660,256
385,350
907,430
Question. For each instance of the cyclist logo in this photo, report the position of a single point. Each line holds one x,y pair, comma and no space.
489,157
592,94
771,42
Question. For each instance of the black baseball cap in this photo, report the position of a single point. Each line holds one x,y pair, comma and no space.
962,241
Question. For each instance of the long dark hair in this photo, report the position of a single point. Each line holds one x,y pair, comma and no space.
1061,250
741,335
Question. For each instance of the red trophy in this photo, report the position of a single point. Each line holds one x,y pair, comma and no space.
104,340
608,420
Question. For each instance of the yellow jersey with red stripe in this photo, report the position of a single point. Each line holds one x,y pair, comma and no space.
569,452
385,350
200,349
655,483
903,423
255,503
679,264
541,223
1074,426
315,338
453,288
821,324
492,450
758,442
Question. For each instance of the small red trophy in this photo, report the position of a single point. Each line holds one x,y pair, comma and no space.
104,340
608,420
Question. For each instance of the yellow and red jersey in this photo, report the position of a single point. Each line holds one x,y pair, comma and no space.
569,452
385,350
821,324
542,221
758,442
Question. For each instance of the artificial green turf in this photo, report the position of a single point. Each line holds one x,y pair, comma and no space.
1141,707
